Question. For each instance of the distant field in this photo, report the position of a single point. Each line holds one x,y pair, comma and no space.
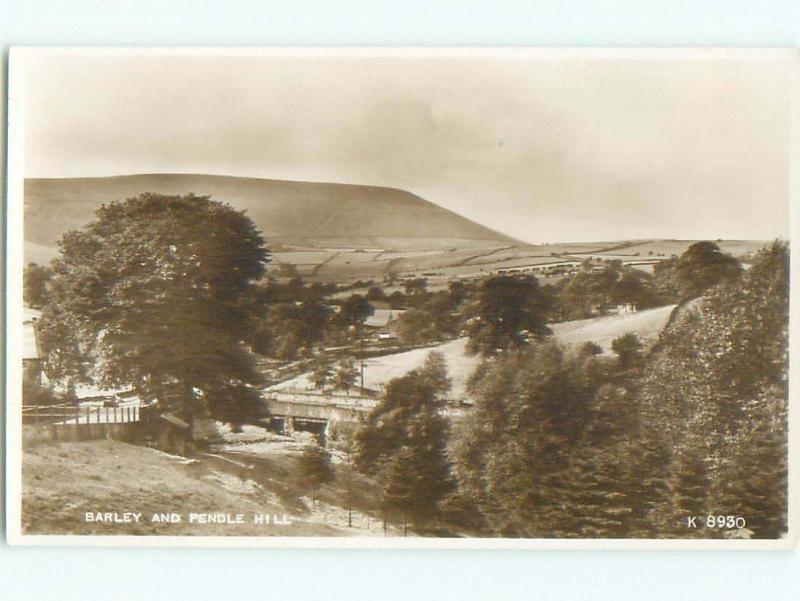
313,257
465,259
476,261
644,249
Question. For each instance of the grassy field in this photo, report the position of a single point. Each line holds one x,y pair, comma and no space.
603,330
378,371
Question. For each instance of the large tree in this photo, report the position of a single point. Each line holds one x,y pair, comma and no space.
315,469
508,313
702,266
151,295
354,311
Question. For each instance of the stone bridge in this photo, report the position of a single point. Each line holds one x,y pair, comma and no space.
313,411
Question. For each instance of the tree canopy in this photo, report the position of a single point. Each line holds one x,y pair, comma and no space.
702,266
315,469
150,295
404,441
354,311
595,290
509,311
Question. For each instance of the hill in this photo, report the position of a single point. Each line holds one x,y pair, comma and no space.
339,232
289,213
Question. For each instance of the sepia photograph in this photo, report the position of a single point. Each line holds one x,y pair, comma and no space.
468,298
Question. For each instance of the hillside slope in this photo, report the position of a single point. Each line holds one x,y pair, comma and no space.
62,481
287,212
715,395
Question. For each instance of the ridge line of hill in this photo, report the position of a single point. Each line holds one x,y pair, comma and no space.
292,210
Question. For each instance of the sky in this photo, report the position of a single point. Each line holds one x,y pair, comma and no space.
552,147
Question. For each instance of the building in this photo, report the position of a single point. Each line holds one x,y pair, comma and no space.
31,355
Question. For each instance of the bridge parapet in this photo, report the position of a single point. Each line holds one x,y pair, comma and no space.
317,406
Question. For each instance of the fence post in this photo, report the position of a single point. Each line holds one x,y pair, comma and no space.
97,414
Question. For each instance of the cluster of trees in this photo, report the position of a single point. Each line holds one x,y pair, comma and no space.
539,455
283,329
500,313
594,291
702,266
591,292
718,391
403,445
433,316
340,376
584,444
510,311
578,445
395,299
294,320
